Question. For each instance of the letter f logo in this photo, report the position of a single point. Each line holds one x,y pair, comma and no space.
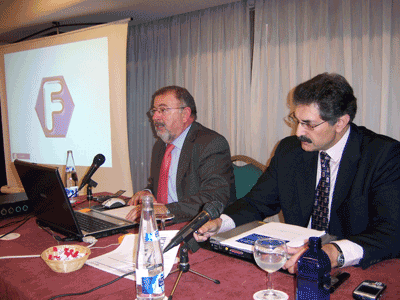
54,106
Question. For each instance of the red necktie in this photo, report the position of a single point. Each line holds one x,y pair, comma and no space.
162,194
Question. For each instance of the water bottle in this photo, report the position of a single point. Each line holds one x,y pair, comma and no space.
71,177
314,268
149,259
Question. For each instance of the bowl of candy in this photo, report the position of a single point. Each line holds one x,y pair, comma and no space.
65,258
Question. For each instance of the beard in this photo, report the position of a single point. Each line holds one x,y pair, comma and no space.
166,136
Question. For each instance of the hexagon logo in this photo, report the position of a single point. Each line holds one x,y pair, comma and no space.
54,106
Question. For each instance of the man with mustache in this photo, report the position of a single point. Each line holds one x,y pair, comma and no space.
200,160
354,171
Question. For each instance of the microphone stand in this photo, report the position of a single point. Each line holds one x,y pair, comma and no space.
91,184
184,263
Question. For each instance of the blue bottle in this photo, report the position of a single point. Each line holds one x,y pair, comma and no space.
314,268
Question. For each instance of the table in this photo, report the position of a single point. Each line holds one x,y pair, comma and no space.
31,278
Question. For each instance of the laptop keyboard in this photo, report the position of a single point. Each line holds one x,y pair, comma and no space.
90,224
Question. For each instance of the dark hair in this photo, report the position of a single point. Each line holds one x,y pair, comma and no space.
331,93
181,94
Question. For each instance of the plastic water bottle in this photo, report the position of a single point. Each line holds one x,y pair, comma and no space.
71,177
149,259
314,268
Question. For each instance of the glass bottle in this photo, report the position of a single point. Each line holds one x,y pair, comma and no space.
71,177
314,268
149,258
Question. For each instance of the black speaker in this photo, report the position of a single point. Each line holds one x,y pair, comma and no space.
14,205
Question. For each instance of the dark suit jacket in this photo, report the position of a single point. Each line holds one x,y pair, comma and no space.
366,200
205,172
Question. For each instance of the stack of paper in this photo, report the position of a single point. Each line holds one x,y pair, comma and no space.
122,260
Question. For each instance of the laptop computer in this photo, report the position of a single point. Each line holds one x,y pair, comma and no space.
217,241
240,240
52,208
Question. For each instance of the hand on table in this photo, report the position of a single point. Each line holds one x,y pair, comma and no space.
134,214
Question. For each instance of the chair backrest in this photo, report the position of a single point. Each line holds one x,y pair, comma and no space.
247,175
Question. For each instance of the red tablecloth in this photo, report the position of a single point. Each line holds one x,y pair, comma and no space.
31,278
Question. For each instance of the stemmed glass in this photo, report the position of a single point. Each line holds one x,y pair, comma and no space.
161,215
270,255
163,218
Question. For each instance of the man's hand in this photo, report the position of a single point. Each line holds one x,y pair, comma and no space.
291,264
295,253
207,230
137,198
134,214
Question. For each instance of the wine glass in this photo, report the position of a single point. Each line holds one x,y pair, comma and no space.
270,255
163,218
162,214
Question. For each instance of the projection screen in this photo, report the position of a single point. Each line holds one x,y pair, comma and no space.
67,92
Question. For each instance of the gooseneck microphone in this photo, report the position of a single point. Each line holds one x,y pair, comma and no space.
98,160
211,211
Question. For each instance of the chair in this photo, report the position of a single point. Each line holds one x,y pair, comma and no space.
246,177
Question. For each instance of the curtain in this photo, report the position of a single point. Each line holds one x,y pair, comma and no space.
296,40
207,52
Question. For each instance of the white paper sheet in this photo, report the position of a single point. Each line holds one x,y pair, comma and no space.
295,235
122,260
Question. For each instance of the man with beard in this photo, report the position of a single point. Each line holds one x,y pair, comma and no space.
200,161
333,176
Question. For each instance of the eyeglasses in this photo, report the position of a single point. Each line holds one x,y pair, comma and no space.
163,110
292,118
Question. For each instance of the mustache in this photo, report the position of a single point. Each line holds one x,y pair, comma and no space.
159,124
303,138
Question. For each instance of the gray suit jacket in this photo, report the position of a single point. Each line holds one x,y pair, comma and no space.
366,200
205,172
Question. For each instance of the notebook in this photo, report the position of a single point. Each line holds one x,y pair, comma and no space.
239,241
52,208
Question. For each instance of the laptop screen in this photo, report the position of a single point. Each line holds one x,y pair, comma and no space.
45,190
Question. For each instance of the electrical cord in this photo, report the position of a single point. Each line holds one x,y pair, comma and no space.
94,289
90,240
20,256
49,231
11,224
105,246
15,222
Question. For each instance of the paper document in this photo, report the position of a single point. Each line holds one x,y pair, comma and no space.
122,260
295,236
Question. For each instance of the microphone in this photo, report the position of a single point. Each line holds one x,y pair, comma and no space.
98,160
211,211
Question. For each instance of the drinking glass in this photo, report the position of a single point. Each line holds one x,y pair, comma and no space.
163,218
270,255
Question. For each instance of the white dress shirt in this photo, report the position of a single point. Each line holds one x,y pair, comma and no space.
352,252
173,169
